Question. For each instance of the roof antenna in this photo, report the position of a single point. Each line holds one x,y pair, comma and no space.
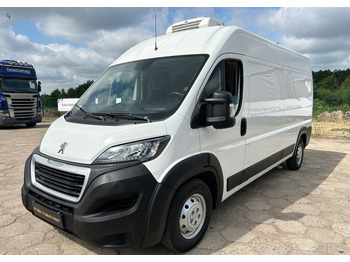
155,32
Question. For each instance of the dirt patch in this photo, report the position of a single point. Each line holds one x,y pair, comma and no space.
333,116
335,123
340,128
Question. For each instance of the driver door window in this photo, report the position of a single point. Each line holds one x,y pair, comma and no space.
227,76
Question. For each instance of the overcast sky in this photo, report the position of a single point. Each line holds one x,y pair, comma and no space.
70,45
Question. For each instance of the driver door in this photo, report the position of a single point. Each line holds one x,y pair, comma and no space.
227,144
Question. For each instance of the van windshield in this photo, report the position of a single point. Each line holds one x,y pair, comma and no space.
152,88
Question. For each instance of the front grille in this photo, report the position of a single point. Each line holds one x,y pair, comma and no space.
24,114
23,107
61,181
23,103
49,203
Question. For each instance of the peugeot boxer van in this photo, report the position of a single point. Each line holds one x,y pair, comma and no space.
167,133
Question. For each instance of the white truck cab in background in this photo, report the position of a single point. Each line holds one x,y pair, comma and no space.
166,134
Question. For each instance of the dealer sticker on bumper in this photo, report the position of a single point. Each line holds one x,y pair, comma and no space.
48,215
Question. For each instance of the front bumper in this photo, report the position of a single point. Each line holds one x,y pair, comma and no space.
7,120
112,211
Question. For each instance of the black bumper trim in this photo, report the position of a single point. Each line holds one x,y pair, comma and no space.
113,210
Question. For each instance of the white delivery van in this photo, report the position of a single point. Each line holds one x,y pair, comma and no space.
167,133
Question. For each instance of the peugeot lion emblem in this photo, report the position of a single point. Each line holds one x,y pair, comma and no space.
63,147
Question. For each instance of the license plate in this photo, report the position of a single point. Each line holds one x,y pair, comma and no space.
48,215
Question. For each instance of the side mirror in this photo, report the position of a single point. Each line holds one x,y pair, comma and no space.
220,111
39,86
217,111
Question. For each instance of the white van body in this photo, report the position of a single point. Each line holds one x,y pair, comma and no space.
271,112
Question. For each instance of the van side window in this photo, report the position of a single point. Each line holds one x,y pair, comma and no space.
227,76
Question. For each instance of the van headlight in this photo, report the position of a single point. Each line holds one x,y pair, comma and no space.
141,150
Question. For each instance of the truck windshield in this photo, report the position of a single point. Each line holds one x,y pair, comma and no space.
152,88
8,85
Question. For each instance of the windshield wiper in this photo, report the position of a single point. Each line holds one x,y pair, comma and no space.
127,116
87,114
100,116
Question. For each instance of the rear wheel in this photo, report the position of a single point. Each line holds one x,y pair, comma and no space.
294,163
189,216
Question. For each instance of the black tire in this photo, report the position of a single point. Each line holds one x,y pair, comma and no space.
189,216
295,162
31,124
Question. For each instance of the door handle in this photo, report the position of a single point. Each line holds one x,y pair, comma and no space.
243,126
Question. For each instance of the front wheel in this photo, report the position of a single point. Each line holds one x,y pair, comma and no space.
189,216
294,163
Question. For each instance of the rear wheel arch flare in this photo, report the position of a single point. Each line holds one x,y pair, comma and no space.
304,134
303,137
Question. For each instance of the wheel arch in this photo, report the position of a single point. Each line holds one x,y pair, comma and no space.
204,166
304,134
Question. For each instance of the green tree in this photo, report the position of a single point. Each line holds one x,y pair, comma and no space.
56,93
63,93
320,75
346,84
329,83
82,88
71,93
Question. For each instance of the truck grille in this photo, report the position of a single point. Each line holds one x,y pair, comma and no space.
22,107
61,181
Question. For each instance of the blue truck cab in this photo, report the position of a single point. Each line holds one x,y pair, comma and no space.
19,94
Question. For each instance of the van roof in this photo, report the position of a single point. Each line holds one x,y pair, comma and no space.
214,41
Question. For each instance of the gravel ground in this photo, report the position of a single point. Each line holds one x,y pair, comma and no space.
283,212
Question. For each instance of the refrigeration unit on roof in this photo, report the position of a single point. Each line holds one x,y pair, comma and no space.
194,23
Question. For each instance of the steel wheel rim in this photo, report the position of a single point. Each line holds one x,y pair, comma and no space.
192,216
299,154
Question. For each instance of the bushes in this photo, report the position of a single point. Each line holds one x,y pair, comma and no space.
331,100
331,91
